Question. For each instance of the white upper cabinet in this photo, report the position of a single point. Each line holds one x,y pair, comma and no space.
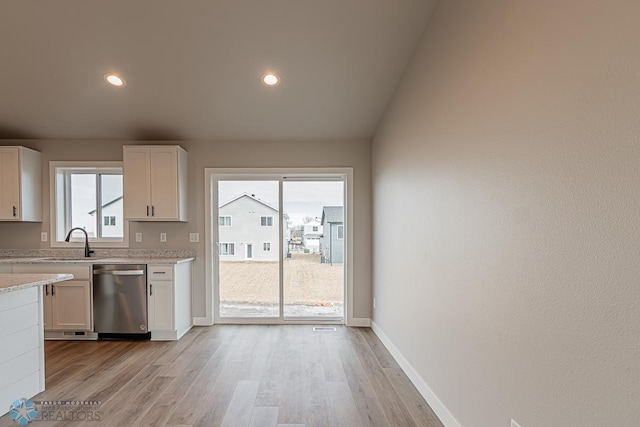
20,184
155,182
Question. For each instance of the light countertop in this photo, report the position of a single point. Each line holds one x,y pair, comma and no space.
15,282
123,260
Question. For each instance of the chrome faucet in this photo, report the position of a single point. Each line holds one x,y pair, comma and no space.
87,251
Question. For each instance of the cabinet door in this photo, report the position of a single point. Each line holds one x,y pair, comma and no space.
137,182
9,183
160,305
71,303
47,301
164,183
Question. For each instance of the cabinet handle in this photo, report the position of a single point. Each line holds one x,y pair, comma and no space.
147,210
15,211
153,210
53,289
150,289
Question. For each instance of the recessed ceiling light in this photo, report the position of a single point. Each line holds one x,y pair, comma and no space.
114,79
270,79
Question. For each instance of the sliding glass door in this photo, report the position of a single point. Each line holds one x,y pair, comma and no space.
314,262
278,247
248,248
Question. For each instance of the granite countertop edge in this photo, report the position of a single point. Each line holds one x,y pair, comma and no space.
16,282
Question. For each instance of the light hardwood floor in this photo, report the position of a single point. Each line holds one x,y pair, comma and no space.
237,375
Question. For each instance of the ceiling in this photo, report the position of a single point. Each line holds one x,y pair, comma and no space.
193,67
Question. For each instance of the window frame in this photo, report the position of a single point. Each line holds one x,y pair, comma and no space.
59,186
229,245
225,216
266,246
339,227
267,222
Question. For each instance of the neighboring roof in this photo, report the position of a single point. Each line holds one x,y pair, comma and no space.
106,204
333,214
249,196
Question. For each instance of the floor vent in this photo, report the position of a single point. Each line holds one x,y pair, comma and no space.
324,329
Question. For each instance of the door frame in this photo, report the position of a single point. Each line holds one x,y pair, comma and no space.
211,200
248,245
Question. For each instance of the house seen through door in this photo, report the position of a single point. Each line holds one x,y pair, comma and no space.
279,247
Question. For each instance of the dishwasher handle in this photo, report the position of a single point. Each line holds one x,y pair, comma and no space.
120,272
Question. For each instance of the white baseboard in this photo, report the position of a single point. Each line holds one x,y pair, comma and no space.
202,321
359,322
436,404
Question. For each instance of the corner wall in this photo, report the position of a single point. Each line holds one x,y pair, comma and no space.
506,233
355,154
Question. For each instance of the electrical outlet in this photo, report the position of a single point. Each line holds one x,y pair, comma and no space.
374,303
138,237
163,237
514,424
43,236
194,237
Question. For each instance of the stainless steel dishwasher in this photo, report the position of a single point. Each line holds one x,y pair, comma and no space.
120,301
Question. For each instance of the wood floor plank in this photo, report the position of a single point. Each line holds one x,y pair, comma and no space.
343,407
371,412
239,410
421,412
354,371
394,409
264,417
382,354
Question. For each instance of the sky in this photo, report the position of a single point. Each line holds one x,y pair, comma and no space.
83,198
300,198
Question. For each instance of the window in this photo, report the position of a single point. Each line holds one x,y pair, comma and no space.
224,221
340,232
227,248
266,246
315,228
266,221
88,195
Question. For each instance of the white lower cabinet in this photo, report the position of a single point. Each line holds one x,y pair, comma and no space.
67,305
71,306
160,305
169,300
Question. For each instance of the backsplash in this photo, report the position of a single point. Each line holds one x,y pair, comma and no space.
100,253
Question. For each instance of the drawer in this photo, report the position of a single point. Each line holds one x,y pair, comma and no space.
80,272
159,272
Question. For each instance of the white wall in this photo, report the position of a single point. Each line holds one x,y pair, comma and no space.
514,142
257,154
